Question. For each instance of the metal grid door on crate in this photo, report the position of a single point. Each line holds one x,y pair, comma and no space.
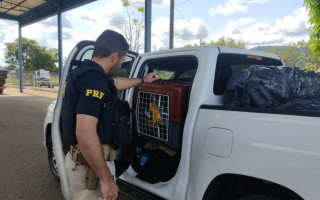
152,115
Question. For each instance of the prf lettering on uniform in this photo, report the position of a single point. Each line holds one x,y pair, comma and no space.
94,93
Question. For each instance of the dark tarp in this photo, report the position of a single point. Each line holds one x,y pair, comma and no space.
274,87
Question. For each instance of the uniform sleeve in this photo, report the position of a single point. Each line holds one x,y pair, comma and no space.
93,87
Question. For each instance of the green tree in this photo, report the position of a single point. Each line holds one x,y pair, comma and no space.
11,56
34,56
133,26
223,41
47,59
313,8
290,55
298,55
228,42
310,58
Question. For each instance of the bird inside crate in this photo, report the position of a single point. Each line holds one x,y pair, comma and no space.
152,114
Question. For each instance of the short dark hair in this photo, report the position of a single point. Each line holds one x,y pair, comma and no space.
109,42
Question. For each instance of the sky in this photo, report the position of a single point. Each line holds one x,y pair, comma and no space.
255,22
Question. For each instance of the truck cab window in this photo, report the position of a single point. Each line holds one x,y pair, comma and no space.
176,68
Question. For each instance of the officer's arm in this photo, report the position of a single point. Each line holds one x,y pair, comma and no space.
90,146
126,83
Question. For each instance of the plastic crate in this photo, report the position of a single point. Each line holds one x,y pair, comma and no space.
160,111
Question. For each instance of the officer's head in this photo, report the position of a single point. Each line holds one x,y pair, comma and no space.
110,42
113,44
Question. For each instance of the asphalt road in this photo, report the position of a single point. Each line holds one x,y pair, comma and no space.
24,170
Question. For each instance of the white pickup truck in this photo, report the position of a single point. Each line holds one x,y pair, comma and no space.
186,144
43,78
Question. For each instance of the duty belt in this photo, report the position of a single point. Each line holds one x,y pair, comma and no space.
108,151
92,179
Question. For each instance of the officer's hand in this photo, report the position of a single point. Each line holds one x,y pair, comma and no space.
109,190
150,77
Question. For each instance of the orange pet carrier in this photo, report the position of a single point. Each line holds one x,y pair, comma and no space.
160,110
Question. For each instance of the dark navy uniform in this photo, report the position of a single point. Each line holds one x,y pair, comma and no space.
89,91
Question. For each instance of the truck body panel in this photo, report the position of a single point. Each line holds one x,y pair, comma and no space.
263,145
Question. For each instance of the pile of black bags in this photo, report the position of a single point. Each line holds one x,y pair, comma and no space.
276,87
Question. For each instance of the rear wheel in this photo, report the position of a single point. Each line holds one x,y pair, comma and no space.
52,160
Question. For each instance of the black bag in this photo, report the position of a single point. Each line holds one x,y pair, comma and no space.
121,124
121,138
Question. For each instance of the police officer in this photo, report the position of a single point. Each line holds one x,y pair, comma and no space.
86,121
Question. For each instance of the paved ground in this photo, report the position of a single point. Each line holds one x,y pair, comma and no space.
24,171
31,91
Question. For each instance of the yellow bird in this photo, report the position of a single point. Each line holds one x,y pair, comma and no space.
156,117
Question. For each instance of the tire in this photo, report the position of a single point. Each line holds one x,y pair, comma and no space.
257,197
52,161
